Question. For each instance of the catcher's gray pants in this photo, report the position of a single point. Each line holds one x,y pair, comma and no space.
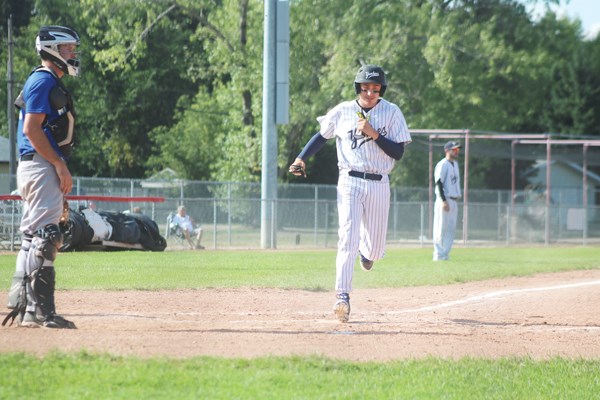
39,186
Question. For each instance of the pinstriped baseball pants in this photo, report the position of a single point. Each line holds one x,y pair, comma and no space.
363,209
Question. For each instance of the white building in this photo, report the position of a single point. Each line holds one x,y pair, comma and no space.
566,189
4,165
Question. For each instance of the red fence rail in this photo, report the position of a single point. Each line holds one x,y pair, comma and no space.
124,199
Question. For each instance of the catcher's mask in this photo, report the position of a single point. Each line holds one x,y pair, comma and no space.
370,74
47,42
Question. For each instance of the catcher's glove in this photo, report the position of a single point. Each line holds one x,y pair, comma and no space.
297,169
64,218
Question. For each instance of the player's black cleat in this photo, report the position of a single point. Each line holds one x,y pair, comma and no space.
365,263
54,321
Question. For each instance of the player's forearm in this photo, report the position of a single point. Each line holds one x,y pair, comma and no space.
392,149
313,146
440,187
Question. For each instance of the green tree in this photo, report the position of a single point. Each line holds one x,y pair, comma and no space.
178,83
136,77
573,91
225,117
23,58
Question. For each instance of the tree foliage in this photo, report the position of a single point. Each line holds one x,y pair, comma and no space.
178,83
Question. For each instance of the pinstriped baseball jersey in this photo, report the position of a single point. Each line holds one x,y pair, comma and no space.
447,171
356,151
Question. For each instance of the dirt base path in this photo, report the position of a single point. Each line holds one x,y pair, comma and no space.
540,317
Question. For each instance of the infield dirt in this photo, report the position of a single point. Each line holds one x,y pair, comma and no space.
541,316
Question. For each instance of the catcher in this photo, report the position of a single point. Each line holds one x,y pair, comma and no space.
45,138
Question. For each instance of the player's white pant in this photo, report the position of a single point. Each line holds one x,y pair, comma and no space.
363,209
444,228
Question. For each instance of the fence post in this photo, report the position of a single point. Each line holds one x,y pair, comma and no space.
499,219
547,226
131,194
316,217
273,222
585,225
12,226
422,229
214,223
395,214
509,212
326,223
229,213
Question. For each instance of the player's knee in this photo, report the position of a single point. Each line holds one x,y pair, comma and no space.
47,241
52,233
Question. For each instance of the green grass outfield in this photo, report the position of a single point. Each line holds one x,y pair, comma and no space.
102,376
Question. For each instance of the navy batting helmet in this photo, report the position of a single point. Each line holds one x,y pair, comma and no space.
370,74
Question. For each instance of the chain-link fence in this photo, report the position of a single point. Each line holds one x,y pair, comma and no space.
306,215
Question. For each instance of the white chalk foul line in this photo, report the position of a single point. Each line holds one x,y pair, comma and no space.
492,295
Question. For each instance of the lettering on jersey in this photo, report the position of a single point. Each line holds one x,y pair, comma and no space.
358,138
453,176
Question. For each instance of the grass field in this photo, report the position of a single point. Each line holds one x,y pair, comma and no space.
86,376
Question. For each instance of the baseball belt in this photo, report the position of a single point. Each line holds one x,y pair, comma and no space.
365,175
27,157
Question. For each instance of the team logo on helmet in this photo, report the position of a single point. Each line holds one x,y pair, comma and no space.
370,74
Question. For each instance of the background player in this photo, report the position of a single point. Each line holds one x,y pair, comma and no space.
45,139
447,191
370,136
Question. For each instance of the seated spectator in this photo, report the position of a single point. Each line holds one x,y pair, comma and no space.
187,226
134,210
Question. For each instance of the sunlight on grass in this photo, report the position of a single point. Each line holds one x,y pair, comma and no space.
306,269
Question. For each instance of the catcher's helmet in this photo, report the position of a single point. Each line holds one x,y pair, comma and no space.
47,42
370,74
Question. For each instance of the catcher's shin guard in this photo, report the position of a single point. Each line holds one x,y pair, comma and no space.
17,295
17,301
42,283
20,273
40,269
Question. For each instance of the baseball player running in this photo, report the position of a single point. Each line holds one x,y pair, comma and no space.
370,135
45,138
447,191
